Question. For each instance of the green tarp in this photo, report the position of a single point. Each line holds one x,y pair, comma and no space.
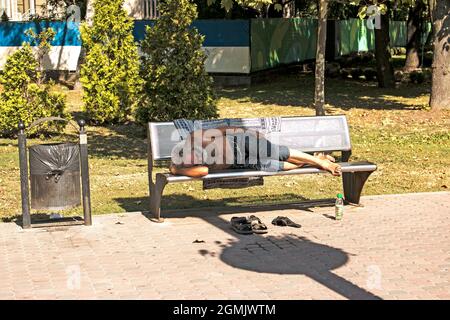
281,41
354,36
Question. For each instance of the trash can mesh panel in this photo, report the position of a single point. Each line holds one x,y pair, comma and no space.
55,176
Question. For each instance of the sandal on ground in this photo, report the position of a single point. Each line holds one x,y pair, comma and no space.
257,225
241,225
285,222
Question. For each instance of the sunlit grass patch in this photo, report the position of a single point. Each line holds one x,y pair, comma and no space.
390,127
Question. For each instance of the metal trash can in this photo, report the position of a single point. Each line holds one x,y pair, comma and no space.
55,176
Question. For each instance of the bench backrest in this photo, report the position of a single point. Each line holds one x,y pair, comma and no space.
308,134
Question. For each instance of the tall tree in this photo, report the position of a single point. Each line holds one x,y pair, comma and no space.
89,12
385,69
176,84
89,19
319,92
414,30
110,75
440,89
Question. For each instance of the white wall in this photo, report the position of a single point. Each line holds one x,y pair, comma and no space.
59,58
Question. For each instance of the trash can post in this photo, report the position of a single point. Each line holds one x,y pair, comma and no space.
24,187
85,174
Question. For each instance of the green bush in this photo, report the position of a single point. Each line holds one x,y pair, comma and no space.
110,75
356,73
4,17
43,42
332,70
370,74
176,84
22,98
417,77
367,57
399,76
344,73
427,74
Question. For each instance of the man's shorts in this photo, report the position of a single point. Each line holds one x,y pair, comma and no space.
270,159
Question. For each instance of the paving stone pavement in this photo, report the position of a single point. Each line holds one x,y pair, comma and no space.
395,247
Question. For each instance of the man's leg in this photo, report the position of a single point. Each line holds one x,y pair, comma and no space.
319,155
299,158
322,155
287,166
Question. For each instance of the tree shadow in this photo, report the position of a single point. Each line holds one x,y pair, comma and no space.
126,141
298,91
184,205
289,254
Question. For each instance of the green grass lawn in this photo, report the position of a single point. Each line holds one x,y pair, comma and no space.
391,127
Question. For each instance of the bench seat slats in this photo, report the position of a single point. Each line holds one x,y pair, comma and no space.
346,167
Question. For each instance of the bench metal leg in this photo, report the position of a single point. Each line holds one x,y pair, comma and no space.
155,197
353,185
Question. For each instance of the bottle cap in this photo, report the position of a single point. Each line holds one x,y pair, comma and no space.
340,196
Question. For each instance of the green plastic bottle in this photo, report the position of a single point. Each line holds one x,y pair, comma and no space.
339,207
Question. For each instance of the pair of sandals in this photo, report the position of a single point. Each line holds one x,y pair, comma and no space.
253,224
244,225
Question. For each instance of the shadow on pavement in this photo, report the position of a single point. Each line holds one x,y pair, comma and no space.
286,254
184,205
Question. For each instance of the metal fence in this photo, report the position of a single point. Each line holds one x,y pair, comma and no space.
150,9
15,9
9,7
18,10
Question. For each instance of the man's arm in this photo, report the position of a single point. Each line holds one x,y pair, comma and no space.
194,171
252,131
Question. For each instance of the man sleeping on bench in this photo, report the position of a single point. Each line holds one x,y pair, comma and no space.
226,148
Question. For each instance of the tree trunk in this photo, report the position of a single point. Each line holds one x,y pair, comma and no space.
414,36
440,88
319,93
385,70
272,12
89,12
82,57
289,9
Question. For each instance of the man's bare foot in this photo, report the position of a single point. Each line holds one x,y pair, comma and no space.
323,156
333,168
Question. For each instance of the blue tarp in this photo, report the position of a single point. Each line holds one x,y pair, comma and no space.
218,33
12,34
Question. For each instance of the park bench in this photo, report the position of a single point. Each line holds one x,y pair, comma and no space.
308,134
